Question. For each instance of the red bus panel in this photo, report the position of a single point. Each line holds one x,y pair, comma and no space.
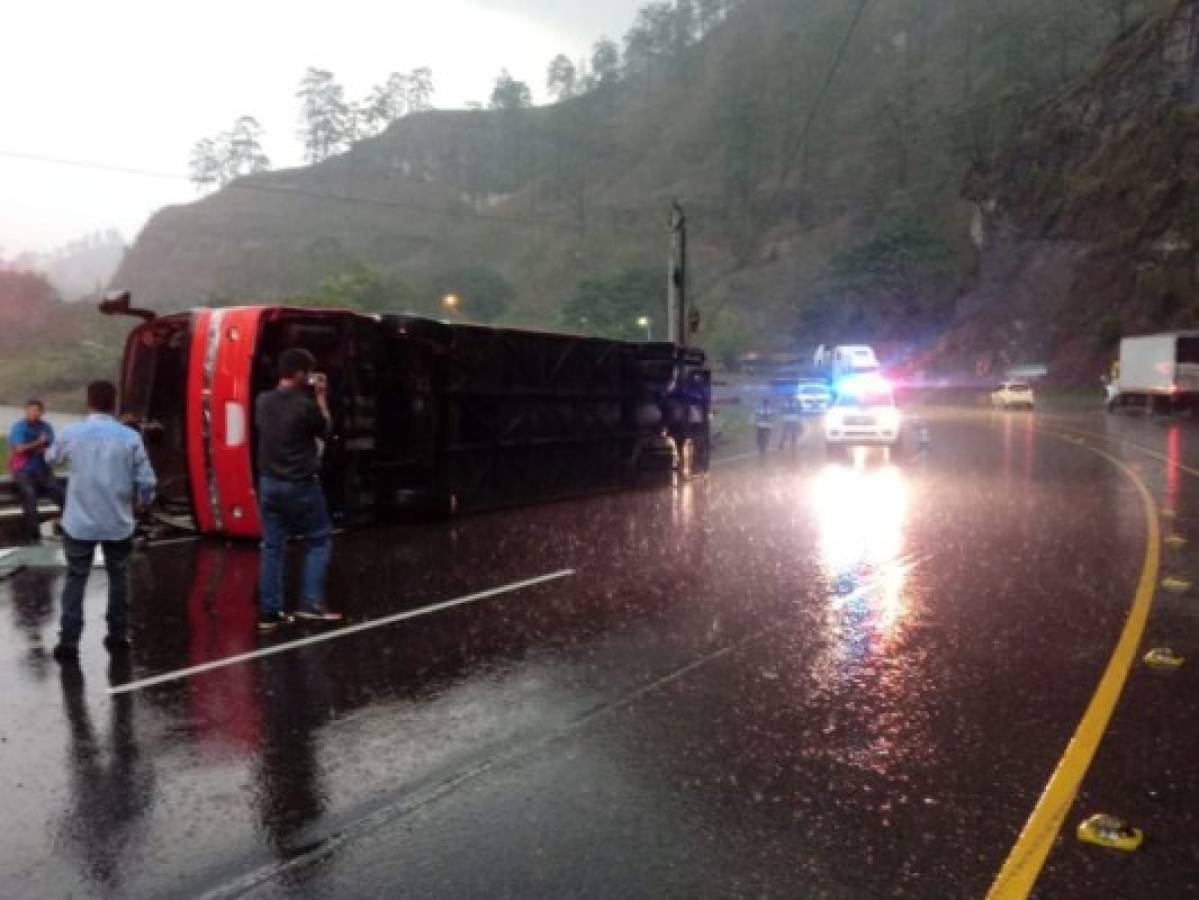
220,455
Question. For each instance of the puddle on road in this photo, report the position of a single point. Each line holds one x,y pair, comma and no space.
48,555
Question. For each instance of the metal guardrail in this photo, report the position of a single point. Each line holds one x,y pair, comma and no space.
10,499
11,527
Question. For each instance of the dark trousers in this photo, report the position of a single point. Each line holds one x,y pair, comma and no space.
79,566
791,434
292,509
32,486
763,439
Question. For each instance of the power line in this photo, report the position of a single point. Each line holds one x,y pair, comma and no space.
503,219
819,101
89,164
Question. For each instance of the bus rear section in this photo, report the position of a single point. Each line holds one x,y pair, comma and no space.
190,381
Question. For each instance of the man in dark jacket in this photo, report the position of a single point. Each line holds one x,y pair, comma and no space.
290,420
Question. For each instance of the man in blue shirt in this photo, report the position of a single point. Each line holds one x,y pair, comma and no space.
28,441
110,474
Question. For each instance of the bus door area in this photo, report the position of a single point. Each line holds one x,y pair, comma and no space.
154,389
347,350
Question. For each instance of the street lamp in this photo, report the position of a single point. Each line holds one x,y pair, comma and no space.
450,301
647,323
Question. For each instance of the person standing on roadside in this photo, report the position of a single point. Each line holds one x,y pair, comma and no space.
763,426
28,440
290,420
110,476
792,424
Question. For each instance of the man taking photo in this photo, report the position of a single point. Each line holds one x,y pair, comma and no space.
28,440
290,420
110,474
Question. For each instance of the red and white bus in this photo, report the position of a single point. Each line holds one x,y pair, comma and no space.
429,417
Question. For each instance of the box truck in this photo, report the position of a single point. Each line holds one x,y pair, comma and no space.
1157,371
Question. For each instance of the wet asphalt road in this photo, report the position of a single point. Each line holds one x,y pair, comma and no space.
795,679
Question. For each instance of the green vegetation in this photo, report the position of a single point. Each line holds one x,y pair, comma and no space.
615,307
331,125
727,341
822,159
359,288
1108,332
475,293
900,274
217,161
4,454
464,293
50,349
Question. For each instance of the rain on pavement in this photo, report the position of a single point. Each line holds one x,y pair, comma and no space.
796,678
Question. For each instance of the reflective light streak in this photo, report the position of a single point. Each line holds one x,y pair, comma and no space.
862,514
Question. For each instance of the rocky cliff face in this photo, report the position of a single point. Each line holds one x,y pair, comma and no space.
1087,228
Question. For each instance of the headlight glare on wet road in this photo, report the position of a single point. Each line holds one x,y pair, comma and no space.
862,515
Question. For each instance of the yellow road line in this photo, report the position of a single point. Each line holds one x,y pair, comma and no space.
1027,857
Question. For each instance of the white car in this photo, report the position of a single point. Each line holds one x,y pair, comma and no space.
863,415
1013,393
813,397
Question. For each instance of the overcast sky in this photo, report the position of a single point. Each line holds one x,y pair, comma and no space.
134,83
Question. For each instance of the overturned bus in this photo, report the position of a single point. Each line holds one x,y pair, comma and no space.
429,417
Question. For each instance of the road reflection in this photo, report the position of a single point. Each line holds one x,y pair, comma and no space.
272,711
111,787
861,511
1173,453
289,790
1027,426
33,608
221,615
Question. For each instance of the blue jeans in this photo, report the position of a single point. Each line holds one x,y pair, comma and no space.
31,485
292,509
79,566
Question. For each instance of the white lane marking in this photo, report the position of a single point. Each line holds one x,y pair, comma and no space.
338,633
16,512
170,542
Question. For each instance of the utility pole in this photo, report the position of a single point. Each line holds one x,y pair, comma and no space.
676,296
